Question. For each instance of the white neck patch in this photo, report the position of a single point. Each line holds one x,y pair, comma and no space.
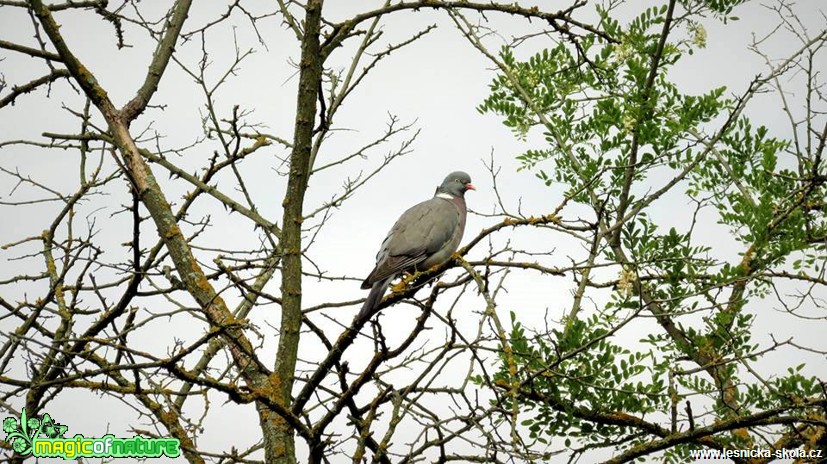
445,196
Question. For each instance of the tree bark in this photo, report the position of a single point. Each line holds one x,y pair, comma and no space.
281,443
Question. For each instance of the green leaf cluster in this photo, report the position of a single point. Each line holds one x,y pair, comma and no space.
619,134
582,374
596,104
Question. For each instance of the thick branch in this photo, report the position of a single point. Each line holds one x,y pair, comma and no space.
281,447
34,52
160,59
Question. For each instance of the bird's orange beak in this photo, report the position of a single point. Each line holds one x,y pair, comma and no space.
469,186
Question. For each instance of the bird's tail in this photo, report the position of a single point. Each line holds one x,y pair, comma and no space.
374,297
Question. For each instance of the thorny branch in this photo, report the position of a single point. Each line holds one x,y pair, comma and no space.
219,293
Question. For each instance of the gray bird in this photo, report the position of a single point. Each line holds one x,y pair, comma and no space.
424,236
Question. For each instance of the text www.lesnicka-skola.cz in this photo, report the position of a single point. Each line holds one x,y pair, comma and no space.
756,453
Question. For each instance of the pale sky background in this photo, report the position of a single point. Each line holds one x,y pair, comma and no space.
437,82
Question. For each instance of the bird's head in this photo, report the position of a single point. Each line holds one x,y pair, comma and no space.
456,184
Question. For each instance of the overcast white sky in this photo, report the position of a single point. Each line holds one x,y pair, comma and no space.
437,82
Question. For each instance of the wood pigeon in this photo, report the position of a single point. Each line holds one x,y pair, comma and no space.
424,236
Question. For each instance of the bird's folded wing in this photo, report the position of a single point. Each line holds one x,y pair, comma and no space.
420,232
390,267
